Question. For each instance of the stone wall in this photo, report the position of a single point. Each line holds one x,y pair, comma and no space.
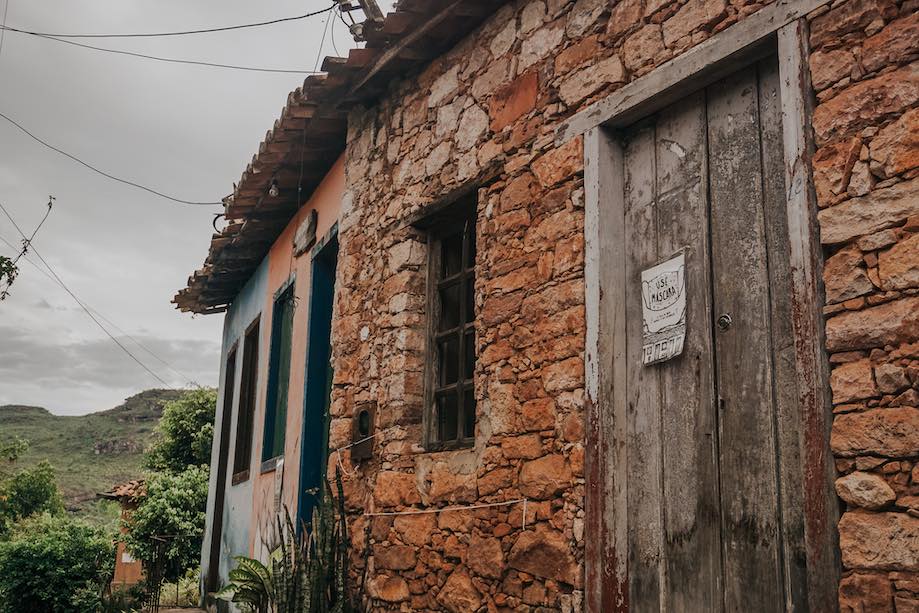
484,114
866,171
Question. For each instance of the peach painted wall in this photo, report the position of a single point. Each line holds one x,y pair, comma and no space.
126,573
326,200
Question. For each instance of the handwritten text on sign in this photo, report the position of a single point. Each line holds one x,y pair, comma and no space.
663,310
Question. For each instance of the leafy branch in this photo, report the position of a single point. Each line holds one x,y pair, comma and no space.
8,273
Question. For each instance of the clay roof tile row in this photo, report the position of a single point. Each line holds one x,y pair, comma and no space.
309,136
131,490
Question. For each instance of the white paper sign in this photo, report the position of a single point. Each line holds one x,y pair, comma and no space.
663,310
278,482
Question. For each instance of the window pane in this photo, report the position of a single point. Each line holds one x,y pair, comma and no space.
287,323
470,299
278,375
248,388
446,417
469,413
451,255
229,390
469,355
449,307
470,260
449,360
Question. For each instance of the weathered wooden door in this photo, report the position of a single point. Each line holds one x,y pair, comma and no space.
714,511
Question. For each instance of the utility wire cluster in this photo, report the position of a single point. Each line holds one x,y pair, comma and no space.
257,24
92,313
63,38
10,271
171,60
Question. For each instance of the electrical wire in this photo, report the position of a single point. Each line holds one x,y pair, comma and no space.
103,173
6,7
166,59
107,320
325,29
84,307
181,33
337,11
27,242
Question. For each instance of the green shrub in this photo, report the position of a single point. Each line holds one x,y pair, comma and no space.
174,508
27,492
56,565
183,593
122,600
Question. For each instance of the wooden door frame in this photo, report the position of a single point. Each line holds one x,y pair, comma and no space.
779,29
317,363
229,401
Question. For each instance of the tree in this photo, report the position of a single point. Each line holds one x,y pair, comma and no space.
54,565
171,515
185,432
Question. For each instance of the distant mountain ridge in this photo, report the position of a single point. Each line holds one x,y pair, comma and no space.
90,452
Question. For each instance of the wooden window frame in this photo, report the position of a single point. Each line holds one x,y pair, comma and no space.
274,396
248,395
439,226
223,461
781,29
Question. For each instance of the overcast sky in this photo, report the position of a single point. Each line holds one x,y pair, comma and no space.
185,130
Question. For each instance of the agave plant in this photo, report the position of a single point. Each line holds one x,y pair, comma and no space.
306,572
250,585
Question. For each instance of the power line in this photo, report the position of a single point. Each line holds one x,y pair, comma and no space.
83,306
182,33
102,172
334,46
322,42
107,320
27,242
163,59
6,7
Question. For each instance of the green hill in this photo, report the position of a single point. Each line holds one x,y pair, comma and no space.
90,453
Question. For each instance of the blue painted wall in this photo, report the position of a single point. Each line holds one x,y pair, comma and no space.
237,513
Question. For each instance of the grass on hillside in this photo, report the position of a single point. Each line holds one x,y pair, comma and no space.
90,453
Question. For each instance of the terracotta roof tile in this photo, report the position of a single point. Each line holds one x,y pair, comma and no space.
310,134
133,489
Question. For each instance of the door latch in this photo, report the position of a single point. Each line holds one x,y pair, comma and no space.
724,321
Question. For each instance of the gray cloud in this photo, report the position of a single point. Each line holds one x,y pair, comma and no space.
185,130
94,374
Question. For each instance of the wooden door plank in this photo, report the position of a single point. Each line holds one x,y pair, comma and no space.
820,506
643,385
692,545
606,502
743,357
788,420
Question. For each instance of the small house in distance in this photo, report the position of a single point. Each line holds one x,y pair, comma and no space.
128,571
